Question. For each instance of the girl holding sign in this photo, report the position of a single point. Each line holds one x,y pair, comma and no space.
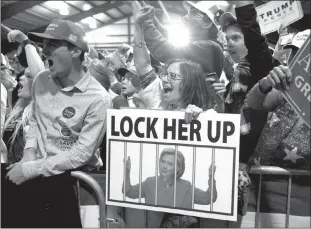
182,86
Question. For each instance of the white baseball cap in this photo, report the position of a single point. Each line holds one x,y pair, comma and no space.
299,39
207,7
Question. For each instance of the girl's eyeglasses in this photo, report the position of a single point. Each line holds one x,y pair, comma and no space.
171,76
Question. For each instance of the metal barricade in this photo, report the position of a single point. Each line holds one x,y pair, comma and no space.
99,194
275,170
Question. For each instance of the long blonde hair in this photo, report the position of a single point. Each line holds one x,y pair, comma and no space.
20,115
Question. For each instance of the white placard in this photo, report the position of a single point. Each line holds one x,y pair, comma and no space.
273,13
211,141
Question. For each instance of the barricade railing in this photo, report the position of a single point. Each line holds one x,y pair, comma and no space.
89,180
275,170
256,170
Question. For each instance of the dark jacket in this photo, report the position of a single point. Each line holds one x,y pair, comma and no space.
261,63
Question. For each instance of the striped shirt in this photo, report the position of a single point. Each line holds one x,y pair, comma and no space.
67,125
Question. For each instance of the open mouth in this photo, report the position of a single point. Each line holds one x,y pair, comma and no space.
50,62
20,86
167,90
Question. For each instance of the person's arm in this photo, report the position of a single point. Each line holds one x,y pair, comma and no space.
141,56
259,99
132,191
90,137
263,96
204,197
4,97
259,54
31,144
34,61
160,27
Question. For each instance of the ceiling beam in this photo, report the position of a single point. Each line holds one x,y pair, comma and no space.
9,10
75,7
115,20
78,17
120,11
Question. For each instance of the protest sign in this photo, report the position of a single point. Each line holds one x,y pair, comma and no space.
168,166
273,13
299,93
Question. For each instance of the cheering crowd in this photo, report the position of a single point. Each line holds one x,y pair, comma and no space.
55,96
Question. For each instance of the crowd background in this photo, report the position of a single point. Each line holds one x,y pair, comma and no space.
227,66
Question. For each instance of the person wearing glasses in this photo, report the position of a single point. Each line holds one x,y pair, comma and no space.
181,87
166,184
181,84
67,125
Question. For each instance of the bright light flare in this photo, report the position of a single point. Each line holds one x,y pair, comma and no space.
178,34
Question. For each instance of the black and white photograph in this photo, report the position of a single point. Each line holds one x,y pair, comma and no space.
155,184
155,114
183,177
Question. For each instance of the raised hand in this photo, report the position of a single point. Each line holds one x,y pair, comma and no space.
16,36
146,13
218,87
192,112
279,78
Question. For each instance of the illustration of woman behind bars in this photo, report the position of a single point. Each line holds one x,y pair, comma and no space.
164,183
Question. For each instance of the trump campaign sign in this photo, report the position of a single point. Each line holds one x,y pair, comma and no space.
298,95
273,13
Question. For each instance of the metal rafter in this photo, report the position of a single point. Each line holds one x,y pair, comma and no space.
78,17
51,10
120,11
78,9
7,11
94,6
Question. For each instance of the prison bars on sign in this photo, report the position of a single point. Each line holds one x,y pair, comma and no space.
156,172
124,172
212,183
140,169
193,176
175,174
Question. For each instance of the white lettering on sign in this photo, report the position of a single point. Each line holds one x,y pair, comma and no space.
303,86
305,61
273,13
279,11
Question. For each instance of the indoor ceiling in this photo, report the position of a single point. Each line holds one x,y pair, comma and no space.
36,15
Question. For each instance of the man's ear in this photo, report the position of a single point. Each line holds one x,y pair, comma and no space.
207,25
76,52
